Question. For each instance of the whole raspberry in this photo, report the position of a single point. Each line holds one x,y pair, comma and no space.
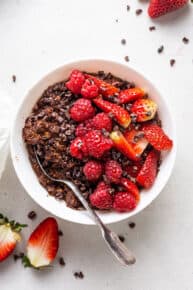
75,82
83,128
97,144
113,171
82,110
124,201
89,89
102,121
101,197
92,170
78,148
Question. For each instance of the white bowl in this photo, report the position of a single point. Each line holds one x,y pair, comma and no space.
28,177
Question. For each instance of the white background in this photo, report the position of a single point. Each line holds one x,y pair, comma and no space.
37,36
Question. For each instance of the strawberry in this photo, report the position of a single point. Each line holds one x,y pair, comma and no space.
148,172
122,145
161,7
118,113
131,187
136,140
144,110
101,197
9,236
157,137
134,168
105,88
124,201
130,95
42,245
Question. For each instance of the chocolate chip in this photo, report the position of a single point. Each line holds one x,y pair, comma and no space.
138,11
126,58
14,78
131,225
185,40
123,41
32,215
60,233
61,261
79,275
121,238
116,20
128,7
18,256
160,49
151,28
172,62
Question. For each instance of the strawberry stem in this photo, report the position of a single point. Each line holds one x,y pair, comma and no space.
15,226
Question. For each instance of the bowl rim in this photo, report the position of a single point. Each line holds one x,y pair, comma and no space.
79,61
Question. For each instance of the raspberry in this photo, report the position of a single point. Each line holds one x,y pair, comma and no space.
102,121
97,144
124,201
101,197
82,110
83,128
113,171
89,89
92,170
76,81
78,148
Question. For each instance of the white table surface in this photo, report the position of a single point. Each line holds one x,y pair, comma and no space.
38,35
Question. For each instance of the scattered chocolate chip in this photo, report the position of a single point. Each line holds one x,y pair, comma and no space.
18,256
14,78
138,11
121,238
60,233
79,275
160,49
126,58
32,215
116,20
172,62
132,225
151,28
61,261
128,7
123,41
185,40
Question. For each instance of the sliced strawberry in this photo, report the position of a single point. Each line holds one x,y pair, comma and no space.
144,110
148,172
118,113
9,236
42,245
105,88
157,137
136,140
122,145
130,95
131,187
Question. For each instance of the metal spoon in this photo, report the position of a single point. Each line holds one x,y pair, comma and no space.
123,255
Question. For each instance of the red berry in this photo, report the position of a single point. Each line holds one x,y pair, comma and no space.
76,81
124,201
131,187
78,148
144,110
92,170
89,89
101,197
161,7
82,110
102,121
83,128
113,171
97,144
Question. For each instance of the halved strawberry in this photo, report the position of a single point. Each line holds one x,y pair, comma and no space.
136,140
161,7
42,245
118,113
131,187
148,172
122,145
9,236
105,88
157,137
130,95
144,110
